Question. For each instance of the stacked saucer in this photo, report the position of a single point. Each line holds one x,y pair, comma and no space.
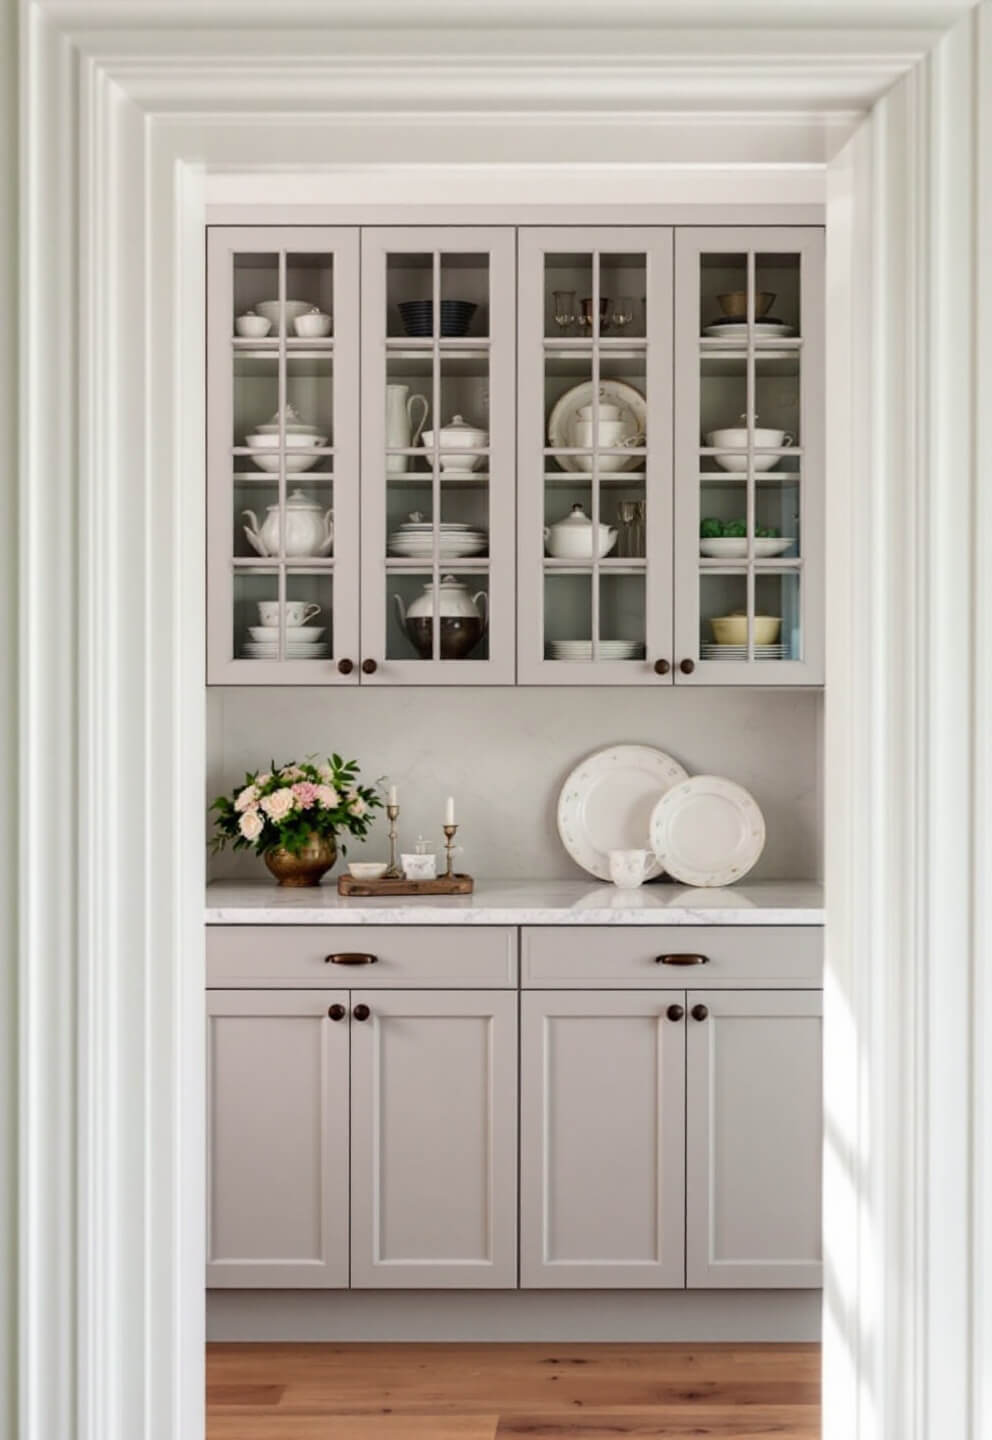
578,650
414,540
303,642
739,652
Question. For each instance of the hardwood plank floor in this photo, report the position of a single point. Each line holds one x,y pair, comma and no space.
494,1392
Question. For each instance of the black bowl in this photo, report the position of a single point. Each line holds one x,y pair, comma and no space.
418,317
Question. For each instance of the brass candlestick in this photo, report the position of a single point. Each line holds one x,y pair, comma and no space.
393,871
449,849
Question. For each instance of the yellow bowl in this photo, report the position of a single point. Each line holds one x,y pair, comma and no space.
734,303
732,629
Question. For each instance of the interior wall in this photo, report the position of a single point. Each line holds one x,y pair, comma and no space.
504,753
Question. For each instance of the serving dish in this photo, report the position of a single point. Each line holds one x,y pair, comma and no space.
734,302
295,634
734,547
418,317
707,831
760,330
460,436
606,803
266,451
572,537
736,438
732,629
314,325
271,309
565,417
367,869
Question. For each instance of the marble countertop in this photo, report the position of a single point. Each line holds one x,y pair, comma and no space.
523,902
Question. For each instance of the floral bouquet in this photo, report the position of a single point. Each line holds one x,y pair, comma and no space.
292,814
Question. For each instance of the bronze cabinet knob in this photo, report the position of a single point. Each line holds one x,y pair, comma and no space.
661,667
699,1012
336,1012
346,666
687,666
369,667
675,1012
361,1012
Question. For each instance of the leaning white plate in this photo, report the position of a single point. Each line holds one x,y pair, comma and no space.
563,418
607,801
707,831
734,547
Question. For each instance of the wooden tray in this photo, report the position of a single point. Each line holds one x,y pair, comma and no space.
443,885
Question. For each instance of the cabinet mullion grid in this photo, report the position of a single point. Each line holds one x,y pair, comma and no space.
594,649
751,402
436,457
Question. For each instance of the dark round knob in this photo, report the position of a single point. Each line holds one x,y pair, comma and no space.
675,1012
687,666
361,1012
369,667
699,1012
346,666
661,667
336,1012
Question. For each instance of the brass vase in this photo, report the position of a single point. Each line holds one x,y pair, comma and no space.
318,854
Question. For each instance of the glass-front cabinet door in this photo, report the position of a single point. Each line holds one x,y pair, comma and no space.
594,456
438,426
749,446
282,455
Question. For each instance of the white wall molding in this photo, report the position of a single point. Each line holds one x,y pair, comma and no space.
128,106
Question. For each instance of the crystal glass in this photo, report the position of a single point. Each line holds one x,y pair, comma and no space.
623,312
565,311
630,529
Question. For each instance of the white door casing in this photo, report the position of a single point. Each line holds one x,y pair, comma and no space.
119,129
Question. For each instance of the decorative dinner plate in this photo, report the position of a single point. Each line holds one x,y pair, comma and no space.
562,420
707,831
607,801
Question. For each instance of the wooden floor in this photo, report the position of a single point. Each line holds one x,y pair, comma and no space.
481,1392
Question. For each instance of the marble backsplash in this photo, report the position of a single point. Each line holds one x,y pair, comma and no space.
503,754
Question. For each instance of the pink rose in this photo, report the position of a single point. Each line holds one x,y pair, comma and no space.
327,797
306,793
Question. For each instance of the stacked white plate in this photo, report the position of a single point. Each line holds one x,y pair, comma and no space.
414,540
739,652
303,642
737,330
608,649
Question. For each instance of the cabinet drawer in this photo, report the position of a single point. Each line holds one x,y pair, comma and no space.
287,956
629,957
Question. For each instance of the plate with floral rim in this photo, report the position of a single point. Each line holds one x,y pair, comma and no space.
607,801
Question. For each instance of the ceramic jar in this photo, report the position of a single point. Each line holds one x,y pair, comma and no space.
463,619
572,537
309,528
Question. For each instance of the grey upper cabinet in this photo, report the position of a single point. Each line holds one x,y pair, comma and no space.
749,451
595,456
434,1139
602,1141
754,1139
277,1139
438,428
282,455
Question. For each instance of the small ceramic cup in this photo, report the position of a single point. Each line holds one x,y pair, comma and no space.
629,868
297,612
251,326
419,867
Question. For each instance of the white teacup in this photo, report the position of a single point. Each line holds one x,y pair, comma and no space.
296,612
629,868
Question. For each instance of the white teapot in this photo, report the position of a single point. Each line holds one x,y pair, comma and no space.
572,539
309,529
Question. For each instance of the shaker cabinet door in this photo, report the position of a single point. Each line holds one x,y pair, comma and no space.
277,1139
602,1140
434,1139
754,1139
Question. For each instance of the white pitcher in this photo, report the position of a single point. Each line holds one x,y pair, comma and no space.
401,431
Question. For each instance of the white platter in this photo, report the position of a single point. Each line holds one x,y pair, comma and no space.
561,422
707,831
607,801
734,547
761,330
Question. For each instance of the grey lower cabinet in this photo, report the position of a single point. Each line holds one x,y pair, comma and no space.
753,1138
363,1137
602,1141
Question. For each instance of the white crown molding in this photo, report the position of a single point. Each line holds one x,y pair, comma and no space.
121,130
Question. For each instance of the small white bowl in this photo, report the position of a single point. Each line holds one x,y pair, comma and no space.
367,869
736,439
314,325
252,327
295,634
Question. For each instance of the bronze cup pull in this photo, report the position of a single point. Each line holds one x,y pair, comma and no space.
361,1012
351,959
336,1012
675,1012
681,959
699,1012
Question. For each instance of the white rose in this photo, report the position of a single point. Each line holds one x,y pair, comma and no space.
278,805
328,797
326,773
247,798
251,824
291,772
263,779
357,806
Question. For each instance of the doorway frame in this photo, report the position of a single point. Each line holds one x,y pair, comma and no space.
122,121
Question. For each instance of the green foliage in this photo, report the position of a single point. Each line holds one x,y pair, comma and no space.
713,529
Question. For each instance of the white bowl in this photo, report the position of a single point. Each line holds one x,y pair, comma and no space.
252,327
271,308
367,869
294,441
295,634
313,326
734,547
737,440
732,629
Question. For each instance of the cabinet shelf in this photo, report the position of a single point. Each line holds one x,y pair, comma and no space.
572,478
476,564
269,345
764,477
740,567
298,478
292,562
624,565
470,363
